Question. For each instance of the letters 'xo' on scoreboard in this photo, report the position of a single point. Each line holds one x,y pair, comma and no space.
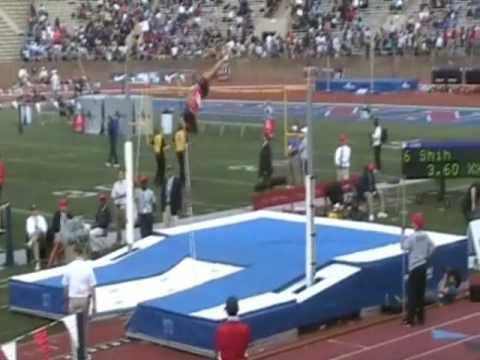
441,159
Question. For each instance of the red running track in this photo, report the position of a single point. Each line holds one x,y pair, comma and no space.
393,341
389,340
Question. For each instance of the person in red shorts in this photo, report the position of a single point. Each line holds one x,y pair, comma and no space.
197,93
232,336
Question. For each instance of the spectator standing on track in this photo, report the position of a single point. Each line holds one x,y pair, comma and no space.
420,249
145,199
119,197
180,143
159,146
171,197
55,84
113,130
79,283
36,228
376,142
232,336
3,174
343,155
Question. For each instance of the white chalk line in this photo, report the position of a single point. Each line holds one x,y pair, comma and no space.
403,337
346,343
441,348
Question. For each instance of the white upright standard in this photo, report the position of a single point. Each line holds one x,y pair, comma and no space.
310,245
130,216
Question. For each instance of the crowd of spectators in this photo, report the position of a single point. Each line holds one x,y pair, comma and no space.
113,30
343,30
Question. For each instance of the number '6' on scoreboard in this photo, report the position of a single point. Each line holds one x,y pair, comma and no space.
440,159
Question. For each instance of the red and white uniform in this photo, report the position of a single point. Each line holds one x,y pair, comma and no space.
269,127
232,338
3,173
195,100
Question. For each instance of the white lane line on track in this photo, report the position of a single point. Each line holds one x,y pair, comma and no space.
441,348
346,343
403,337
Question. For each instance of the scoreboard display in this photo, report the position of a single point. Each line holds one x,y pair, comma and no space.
441,159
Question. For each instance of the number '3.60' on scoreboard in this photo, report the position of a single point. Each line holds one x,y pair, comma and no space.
440,159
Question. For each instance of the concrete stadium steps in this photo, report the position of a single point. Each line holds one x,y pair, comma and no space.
376,13
63,9
17,11
10,43
11,40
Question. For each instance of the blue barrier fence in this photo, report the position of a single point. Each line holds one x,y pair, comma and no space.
379,85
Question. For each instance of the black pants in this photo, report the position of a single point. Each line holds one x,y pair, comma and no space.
113,156
417,279
160,175
181,165
377,153
146,224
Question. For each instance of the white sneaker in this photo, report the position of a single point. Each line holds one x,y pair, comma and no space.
116,165
107,164
382,215
37,266
371,218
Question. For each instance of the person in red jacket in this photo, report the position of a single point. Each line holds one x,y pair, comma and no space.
232,336
3,173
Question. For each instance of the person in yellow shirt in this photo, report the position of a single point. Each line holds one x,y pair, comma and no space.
159,145
180,142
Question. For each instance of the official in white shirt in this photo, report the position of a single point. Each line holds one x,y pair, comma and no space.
119,198
36,228
343,155
376,141
79,283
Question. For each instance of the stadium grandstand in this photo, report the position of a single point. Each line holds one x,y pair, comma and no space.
233,179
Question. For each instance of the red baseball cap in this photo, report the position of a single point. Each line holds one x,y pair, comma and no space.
102,197
143,179
371,166
418,220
